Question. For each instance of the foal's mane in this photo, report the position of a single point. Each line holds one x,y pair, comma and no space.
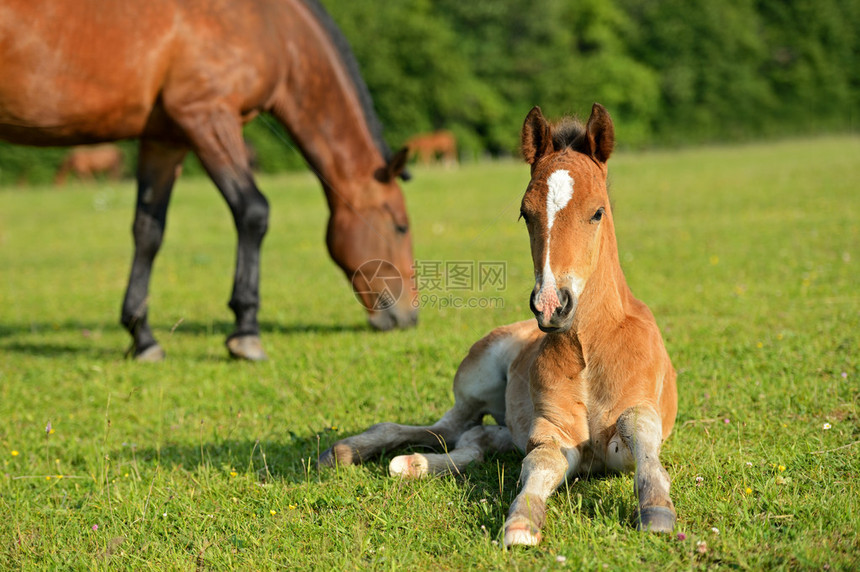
351,64
568,133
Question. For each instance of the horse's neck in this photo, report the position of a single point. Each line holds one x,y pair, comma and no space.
605,300
324,114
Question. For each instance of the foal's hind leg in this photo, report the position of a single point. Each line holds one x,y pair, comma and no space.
479,389
641,431
470,448
466,414
390,436
156,173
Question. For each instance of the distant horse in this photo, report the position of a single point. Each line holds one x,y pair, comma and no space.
429,147
185,75
88,161
589,387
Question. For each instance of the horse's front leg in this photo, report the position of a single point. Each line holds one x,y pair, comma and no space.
156,173
553,454
641,431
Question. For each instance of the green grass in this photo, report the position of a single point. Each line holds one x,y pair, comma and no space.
748,257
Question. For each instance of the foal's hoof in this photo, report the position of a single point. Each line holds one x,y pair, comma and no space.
335,455
522,533
656,519
152,354
409,466
246,347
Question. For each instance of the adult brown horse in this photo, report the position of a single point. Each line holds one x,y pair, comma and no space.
185,75
586,388
427,147
87,161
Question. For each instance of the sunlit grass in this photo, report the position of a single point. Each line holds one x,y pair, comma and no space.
747,256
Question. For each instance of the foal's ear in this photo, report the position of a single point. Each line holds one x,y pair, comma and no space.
600,134
536,137
396,167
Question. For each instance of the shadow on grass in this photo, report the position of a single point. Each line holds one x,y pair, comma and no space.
55,350
183,327
286,461
493,485
45,347
489,486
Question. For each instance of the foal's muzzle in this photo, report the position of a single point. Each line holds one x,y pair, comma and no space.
560,317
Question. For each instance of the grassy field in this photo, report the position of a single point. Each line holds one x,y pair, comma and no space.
747,255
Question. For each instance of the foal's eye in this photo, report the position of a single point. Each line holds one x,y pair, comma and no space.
598,215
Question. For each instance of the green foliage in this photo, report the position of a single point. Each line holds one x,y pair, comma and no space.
203,462
670,72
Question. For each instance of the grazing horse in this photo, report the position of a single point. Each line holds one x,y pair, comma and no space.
88,161
586,388
185,75
428,146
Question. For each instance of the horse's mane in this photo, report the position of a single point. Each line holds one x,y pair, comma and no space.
348,58
567,133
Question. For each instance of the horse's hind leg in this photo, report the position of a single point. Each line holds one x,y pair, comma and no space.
156,173
641,431
216,135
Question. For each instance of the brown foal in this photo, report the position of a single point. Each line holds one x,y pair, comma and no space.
586,388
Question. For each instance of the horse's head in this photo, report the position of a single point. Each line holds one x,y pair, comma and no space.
566,209
369,238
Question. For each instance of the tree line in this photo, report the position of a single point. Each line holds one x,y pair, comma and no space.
671,72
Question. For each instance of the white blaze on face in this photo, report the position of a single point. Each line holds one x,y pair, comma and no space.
560,185
560,191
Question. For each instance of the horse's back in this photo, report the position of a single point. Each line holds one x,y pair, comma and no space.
90,70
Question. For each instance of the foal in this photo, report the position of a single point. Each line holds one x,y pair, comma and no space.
589,387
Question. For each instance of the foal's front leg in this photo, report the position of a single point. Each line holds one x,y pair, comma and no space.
641,431
552,456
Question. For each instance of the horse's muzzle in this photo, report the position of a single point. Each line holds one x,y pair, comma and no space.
393,317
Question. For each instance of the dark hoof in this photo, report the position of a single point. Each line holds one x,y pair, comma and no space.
335,455
656,519
152,354
246,347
